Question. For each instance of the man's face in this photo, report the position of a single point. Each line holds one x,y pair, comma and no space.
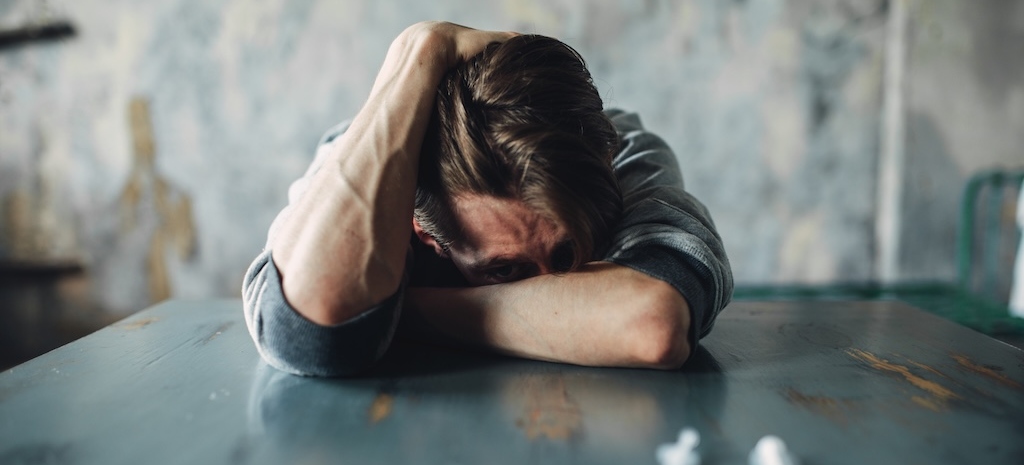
504,241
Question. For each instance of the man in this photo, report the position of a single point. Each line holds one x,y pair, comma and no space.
541,226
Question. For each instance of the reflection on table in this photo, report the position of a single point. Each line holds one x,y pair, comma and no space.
840,382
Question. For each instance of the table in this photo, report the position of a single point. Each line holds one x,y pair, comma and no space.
840,382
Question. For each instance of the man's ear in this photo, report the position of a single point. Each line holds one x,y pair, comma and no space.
427,239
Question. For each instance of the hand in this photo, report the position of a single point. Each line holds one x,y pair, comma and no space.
451,43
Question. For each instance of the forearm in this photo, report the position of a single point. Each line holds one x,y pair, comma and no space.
602,315
342,249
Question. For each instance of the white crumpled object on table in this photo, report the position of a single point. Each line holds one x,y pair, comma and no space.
683,451
770,450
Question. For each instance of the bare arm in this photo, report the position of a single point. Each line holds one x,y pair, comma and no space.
608,313
602,315
343,247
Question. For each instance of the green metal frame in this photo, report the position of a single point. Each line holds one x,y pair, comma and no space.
955,301
996,180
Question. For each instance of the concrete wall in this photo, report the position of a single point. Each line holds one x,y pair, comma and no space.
156,145
964,99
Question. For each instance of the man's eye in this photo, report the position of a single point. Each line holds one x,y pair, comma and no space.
503,272
563,258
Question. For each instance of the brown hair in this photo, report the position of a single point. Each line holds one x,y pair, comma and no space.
522,120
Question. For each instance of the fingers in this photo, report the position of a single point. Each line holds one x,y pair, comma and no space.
470,42
452,43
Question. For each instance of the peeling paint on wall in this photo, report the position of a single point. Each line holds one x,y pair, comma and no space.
35,222
965,108
18,225
147,189
772,108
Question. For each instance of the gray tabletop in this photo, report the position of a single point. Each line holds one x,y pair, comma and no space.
843,383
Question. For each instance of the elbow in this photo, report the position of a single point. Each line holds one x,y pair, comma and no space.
333,295
660,340
331,305
315,305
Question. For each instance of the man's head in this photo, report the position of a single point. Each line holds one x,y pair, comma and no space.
515,174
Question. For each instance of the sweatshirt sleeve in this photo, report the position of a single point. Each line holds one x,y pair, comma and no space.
287,340
665,232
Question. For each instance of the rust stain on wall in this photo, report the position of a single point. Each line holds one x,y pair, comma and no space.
147,189
14,207
26,234
985,371
182,228
550,411
35,224
17,223
159,281
939,395
381,407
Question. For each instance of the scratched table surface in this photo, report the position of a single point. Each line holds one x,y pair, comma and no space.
839,382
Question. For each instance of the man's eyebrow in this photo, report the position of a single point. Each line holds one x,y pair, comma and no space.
562,251
501,260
